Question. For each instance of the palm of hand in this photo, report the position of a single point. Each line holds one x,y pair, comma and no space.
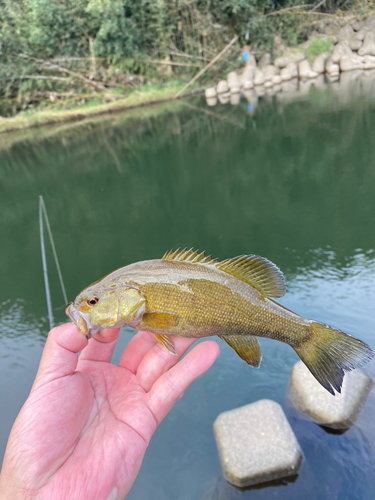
100,436
83,433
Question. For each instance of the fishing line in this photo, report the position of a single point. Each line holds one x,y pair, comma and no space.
43,211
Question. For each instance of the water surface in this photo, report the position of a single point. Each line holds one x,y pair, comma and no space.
293,181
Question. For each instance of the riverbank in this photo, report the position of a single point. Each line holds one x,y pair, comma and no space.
138,98
334,52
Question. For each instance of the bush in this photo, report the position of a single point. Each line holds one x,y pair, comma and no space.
129,33
317,47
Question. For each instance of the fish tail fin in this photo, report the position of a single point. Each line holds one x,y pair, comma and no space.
329,353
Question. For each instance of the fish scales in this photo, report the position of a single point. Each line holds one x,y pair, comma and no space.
210,302
187,294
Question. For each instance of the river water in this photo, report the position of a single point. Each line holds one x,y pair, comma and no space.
292,180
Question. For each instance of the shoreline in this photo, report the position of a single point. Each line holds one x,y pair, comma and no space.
136,99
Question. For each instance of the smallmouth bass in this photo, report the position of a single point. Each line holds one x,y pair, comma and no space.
188,294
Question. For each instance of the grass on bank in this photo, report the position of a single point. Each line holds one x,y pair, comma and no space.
72,128
317,47
57,113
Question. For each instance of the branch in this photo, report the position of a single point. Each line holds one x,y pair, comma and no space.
40,77
318,5
56,59
171,63
64,70
180,54
227,47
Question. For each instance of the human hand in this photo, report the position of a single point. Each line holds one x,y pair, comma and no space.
86,424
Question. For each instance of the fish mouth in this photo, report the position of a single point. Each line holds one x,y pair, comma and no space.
81,321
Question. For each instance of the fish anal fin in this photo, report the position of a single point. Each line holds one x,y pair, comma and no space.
166,342
246,346
192,256
158,321
256,271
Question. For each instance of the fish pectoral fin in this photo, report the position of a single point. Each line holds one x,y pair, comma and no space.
166,342
256,271
246,346
158,321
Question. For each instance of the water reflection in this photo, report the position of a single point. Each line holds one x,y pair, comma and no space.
292,181
359,82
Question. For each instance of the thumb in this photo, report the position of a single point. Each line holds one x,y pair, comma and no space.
60,354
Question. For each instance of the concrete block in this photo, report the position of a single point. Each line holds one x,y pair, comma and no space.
332,69
281,62
269,72
305,70
222,87
296,57
337,412
233,80
319,63
210,92
235,98
260,90
256,444
224,98
247,84
247,75
258,78
211,101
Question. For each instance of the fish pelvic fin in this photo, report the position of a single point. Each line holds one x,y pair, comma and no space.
256,271
329,353
246,346
166,342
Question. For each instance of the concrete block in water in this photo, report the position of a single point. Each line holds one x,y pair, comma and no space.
224,98
210,92
233,81
222,87
256,444
337,412
269,72
319,63
305,71
258,78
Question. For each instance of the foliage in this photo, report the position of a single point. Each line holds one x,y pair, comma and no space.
318,46
103,39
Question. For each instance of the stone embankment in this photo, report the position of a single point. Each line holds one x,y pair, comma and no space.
353,48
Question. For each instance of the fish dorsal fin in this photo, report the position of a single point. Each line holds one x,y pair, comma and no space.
256,271
192,256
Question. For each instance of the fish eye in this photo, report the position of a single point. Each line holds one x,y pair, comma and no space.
93,301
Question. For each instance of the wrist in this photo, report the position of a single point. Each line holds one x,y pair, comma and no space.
11,490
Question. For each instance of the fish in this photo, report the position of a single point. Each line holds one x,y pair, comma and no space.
189,294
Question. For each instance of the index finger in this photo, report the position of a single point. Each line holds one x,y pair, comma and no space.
101,347
172,384
136,349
